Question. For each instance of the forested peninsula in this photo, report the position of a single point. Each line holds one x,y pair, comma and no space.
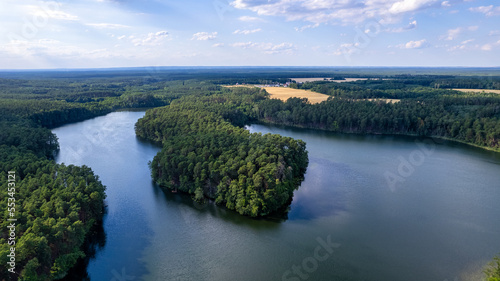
206,153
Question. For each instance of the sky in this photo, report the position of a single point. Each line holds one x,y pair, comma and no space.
125,33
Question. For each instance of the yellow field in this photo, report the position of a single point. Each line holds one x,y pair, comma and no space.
286,93
313,97
478,91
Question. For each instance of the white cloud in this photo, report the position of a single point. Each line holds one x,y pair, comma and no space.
218,45
464,45
414,44
267,48
244,45
287,48
411,5
250,19
203,36
453,33
487,10
151,39
60,15
49,10
338,11
487,47
246,32
410,26
347,49
490,46
107,25
51,48
300,29
315,11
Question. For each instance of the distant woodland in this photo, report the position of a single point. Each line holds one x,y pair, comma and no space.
424,111
206,152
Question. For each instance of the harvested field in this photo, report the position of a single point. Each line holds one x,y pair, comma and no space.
286,93
313,97
478,91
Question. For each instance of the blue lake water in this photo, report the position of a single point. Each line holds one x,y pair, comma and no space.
370,208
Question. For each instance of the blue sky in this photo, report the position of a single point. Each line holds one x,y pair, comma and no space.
126,33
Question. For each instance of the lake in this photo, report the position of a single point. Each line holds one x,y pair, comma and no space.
370,208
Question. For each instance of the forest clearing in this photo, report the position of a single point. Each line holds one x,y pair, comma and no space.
478,91
313,97
286,93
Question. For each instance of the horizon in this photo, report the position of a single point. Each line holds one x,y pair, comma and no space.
173,67
101,34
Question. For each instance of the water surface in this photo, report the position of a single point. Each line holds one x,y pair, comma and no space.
437,221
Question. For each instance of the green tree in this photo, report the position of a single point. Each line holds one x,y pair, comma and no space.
492,270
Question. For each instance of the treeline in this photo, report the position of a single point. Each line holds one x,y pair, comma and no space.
474,120
417,88
469,83
204,154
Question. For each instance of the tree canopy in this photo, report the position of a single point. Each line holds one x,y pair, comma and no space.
206,155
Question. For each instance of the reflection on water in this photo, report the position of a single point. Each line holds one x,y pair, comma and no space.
92,245
323,191
441,222
108,145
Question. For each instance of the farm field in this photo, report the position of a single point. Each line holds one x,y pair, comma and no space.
286,93
313,97
478,91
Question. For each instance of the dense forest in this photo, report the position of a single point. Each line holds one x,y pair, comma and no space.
56,206
472,118
468,119
206,151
